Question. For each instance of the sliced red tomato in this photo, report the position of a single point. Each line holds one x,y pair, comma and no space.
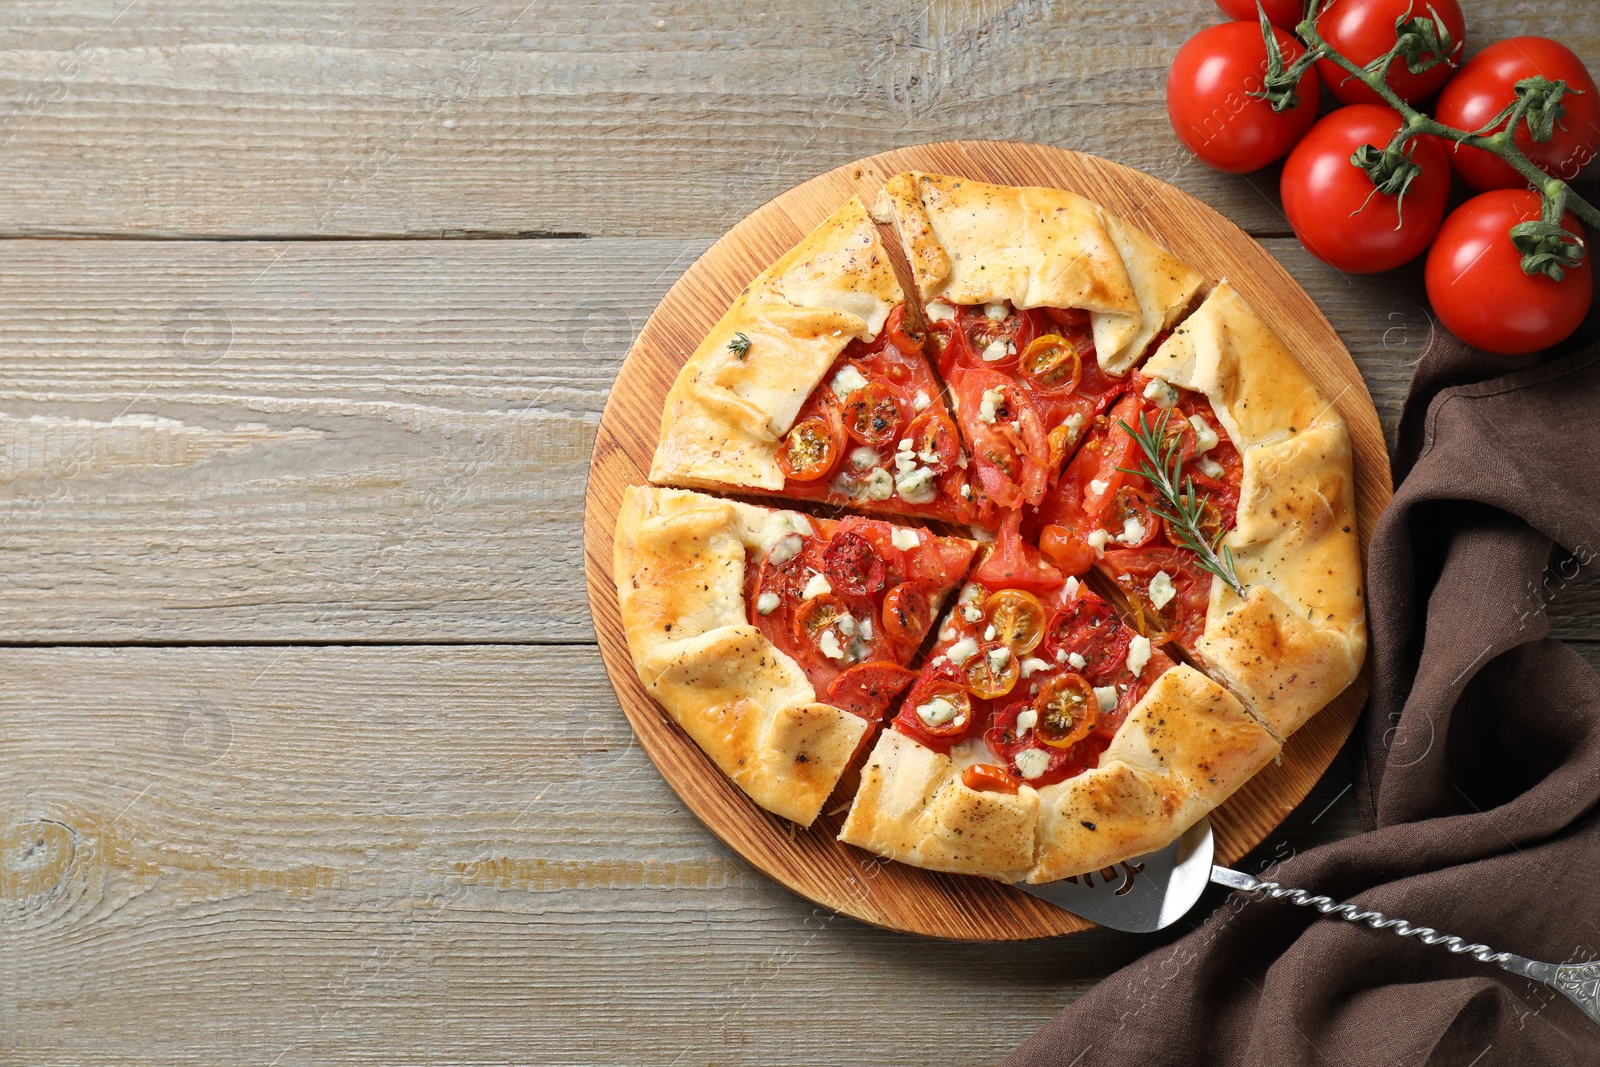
1087,627
940,562
816,618
1052,362
813,447
1006,741
1066,549
872,415
903,333
1182,617
1130,519
867,689
987,778
853,565
937,725
1013,564
990,341
1067,710
908,612
935,442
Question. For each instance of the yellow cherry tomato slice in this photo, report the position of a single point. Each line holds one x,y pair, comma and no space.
1053,362
1018,620
1067,710
992,671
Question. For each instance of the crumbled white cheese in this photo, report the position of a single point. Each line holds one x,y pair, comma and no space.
1099,486
947,634
1162,590
767,603
847,381
998,658
997,311
938,311
1061,655
1027,719
980,534
1106,696
866,627
1032,763
1097,540
1210,467
1160,393
988,633
905,462
879,485
995,351
917,486
1071,586
986,407
1138,654
903,539
817,586
847,625
966,491
922,401
1073,424
864,458
829,643
970,613
1133,531
971,593
1034,663
1077,660
1205,438
904,445
785,550
962,651
937,711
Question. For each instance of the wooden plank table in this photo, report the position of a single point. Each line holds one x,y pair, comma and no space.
307,314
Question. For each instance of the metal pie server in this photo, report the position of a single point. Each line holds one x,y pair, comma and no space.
1153,891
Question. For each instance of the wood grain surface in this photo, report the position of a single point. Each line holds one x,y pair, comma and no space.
372,463
810,860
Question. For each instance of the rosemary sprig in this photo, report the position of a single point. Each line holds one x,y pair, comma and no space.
1162,467
740,345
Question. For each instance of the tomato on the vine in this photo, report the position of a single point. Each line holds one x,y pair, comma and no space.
1363,30
1479,291
1483,88
1284,14
1337,212
1209,101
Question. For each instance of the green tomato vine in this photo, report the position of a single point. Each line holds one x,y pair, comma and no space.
1547,247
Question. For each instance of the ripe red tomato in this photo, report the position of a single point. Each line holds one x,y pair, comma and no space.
1477,288
1483,88
1363,30
1284,14
1210,107
1334,208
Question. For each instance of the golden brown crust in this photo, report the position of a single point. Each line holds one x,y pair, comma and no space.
726,414
1182,750
1300,635
971,242
679,559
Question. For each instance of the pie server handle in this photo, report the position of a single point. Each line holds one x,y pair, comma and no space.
1580,982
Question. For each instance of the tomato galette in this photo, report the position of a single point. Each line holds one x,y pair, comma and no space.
1162,581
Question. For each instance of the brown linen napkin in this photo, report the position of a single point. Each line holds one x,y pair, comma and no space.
1479,777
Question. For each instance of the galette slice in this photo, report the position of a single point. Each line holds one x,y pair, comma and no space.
776,641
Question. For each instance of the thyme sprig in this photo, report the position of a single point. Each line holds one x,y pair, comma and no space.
740,345
1162,467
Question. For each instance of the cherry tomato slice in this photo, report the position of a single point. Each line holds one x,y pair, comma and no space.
811,449
1088,628
868,688
1052,362
1067,710
939,707
1073,320
1017,618
982,332
1130,519
908,612
934,439
987,778
853,565
903,333
872,415
992,671
817,617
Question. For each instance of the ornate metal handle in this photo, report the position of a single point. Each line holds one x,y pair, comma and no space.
1580,982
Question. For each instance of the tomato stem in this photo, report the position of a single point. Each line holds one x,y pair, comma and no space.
1546,245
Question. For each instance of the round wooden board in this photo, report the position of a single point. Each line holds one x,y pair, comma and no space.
811,861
